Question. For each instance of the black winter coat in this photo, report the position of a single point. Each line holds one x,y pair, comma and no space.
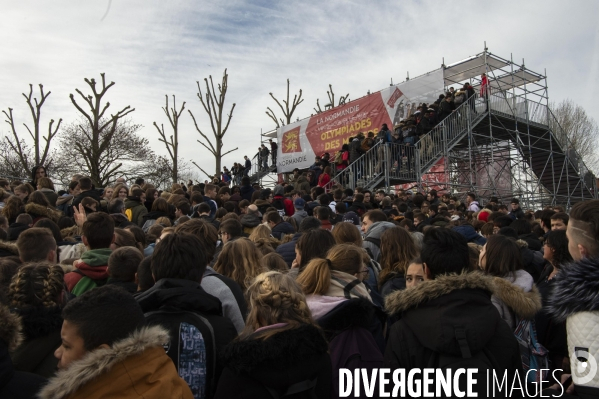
432,313
41,328
14,384
355,312
253,365
287,250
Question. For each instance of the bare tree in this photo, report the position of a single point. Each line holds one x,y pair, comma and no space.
125,154
214,105
287,111
172,144
331,104
38,154
575,129
98,134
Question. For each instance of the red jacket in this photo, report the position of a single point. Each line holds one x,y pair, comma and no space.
289,208
324,181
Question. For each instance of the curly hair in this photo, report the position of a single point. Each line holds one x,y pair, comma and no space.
12,208
274,297
39,284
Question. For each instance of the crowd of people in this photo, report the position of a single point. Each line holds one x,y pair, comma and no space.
239,291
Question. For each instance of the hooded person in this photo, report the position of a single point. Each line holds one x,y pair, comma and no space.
515,296
251,219
373,225
135,208
281,203
108,352
450,320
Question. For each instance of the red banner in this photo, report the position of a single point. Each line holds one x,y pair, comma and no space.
328,131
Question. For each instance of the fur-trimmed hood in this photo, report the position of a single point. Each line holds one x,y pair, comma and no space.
400,301
42,211
576,289
524,302
8,249
10,328
519,294
434,309
101,361
69,232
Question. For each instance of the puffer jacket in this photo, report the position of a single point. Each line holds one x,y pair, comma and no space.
516,297
575,300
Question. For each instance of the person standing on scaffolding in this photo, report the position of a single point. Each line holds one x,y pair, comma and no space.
471,95
484,89
384,137
264,156
273,151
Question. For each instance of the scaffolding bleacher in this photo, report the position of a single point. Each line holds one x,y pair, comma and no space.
506,144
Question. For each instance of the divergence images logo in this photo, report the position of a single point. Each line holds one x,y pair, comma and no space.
584,366
291,141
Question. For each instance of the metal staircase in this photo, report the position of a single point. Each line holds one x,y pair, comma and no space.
555,173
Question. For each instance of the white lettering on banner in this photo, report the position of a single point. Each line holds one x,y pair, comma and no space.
292,161
435,382
417,382
335,115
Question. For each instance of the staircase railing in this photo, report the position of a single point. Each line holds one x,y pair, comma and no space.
369,167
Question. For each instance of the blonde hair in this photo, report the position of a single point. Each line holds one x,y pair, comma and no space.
240,261
274,297
39,284
262,238
316,277
163,220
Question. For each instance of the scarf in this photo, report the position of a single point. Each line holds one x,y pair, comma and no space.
347,286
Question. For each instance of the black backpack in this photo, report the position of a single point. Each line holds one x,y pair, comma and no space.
481,361
192,348
279,204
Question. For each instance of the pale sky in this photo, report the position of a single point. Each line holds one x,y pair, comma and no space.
153,48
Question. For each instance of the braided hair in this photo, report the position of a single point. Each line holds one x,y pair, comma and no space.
37,285
274,297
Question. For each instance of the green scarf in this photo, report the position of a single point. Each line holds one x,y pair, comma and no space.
96,257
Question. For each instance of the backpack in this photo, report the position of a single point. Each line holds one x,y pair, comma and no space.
192,348
279,204
353,348
366,144
129,214
482,361
534,355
